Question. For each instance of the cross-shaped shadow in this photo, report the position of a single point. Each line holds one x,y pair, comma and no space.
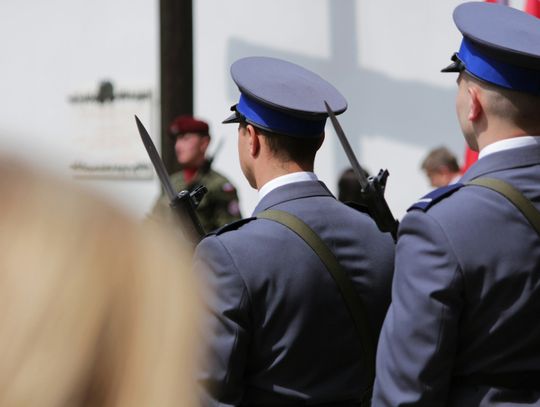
410,112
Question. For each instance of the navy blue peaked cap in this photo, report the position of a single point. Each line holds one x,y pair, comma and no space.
501,45
282,97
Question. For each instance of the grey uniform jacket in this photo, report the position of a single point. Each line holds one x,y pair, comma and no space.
465,295
278,329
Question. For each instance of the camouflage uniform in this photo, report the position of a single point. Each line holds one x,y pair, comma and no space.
219,205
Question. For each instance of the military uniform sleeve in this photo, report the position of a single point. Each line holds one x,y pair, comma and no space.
226,323
227,208
220,204
417,344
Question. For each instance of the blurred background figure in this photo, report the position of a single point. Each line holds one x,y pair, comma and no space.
441,167
220,204
349,189
94,310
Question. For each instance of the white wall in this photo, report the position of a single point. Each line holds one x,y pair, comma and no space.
56,48
384,56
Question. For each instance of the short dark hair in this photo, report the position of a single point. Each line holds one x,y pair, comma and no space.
288,148
349,188
522,109
440,157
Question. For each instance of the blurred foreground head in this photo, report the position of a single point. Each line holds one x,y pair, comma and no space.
94,310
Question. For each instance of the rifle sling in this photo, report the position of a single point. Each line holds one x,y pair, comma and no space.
524,380
342,279
514,196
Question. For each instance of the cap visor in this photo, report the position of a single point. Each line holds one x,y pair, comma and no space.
455,66
233,118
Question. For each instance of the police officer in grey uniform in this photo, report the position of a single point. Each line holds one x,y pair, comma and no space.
462,329
278,328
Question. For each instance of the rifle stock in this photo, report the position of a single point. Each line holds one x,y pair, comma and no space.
373,196
184,205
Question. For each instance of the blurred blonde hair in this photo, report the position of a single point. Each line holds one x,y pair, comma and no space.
94,310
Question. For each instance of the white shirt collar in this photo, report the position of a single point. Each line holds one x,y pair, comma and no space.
509,143
284,180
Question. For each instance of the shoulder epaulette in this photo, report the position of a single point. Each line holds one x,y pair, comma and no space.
427,201
231,226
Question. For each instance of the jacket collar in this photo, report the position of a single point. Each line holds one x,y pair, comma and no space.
503,160
291,192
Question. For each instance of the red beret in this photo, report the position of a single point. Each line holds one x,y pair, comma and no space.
188,124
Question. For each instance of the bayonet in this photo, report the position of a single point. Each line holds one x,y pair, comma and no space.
358,170
156,160
182,203
372,187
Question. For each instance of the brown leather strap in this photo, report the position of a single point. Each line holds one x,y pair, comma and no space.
513,195
348,292
528,380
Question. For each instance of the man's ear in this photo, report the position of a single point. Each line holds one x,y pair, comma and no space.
253,140
204,143
475,103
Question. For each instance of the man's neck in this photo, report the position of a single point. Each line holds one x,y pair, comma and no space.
286,179
277,169
189,174
495,129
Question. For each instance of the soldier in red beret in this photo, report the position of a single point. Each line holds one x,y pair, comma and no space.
220,204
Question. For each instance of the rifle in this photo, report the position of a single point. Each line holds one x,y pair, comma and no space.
182,203
372,187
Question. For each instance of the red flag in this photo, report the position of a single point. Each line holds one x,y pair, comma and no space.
470,158
505,2
533,7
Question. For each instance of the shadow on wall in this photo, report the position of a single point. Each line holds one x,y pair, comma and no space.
410,112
